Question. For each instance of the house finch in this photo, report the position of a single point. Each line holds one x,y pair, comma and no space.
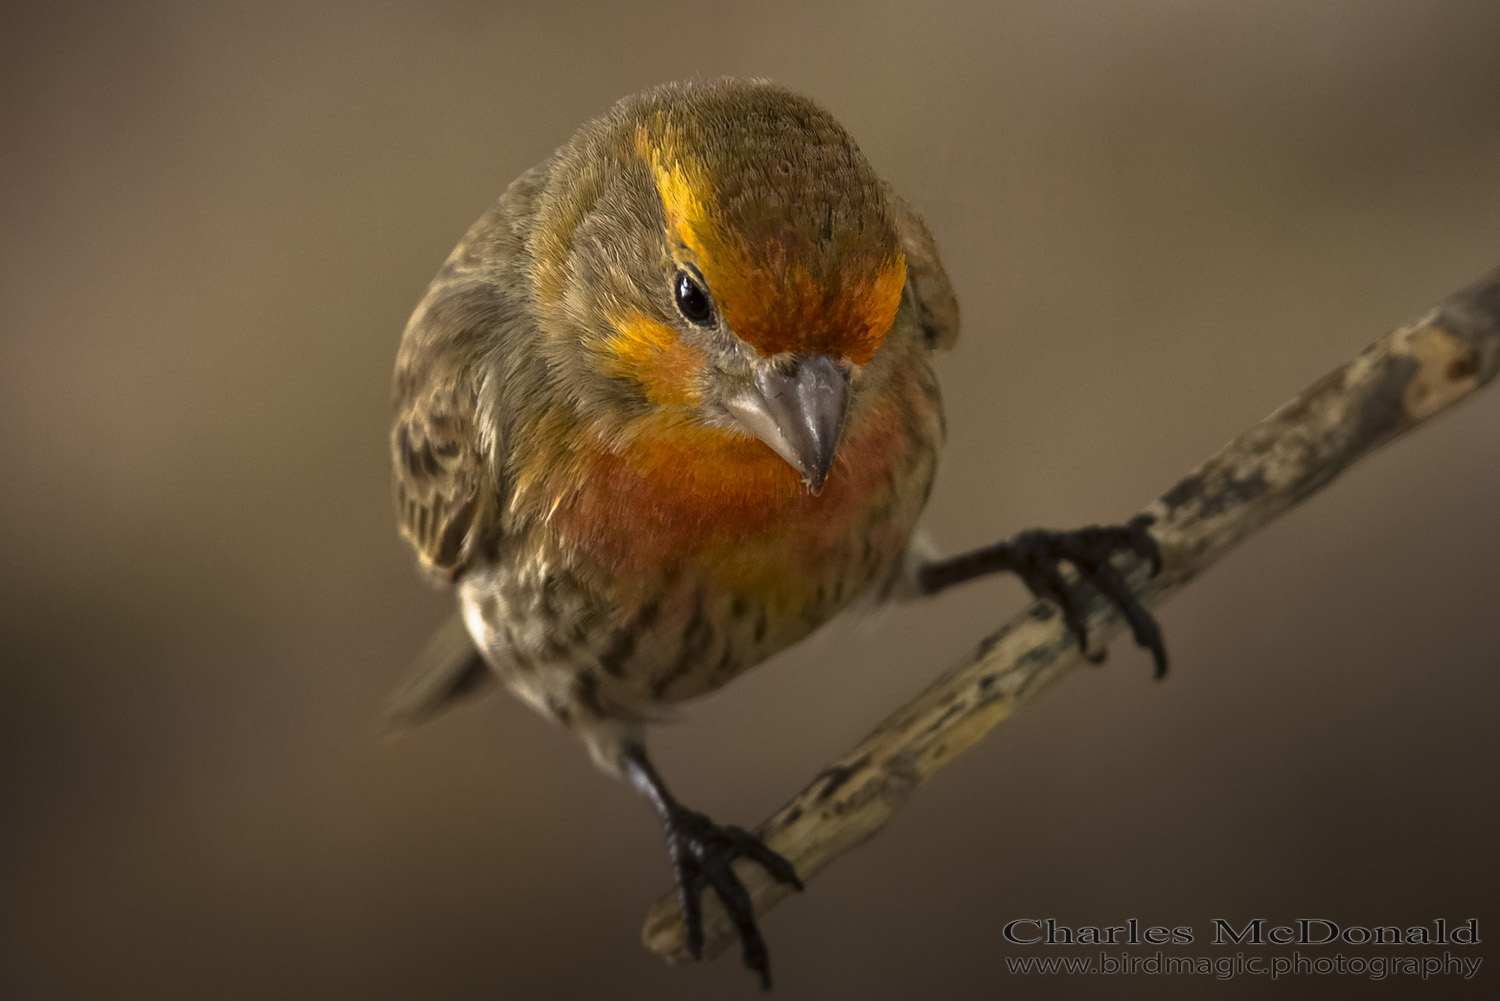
669,407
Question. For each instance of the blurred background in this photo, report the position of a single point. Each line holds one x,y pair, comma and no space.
1162,218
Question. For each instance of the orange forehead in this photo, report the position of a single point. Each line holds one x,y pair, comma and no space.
778,288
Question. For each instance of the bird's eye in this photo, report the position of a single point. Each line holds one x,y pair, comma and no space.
692,299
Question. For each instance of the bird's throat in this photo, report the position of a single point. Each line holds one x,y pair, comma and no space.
683,492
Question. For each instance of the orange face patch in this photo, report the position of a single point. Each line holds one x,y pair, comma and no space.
650,353
775,286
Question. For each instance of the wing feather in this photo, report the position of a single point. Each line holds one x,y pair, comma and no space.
448,485
927,285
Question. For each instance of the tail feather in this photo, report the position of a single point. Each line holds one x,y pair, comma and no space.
448,670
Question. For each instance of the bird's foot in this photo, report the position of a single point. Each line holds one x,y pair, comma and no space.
1035,557
701,854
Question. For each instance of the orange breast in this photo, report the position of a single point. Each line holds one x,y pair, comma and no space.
723,501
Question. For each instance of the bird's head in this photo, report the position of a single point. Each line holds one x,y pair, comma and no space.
721,256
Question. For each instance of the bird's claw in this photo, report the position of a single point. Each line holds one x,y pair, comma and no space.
1035,555
701,854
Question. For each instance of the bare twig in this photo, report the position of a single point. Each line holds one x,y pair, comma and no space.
1398,382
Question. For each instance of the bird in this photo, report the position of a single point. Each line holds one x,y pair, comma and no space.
668,407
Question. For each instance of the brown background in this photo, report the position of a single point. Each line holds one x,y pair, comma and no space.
1162,218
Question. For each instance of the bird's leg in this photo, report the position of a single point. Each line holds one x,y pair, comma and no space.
1034,556
701,853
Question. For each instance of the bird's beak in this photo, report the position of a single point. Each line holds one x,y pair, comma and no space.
798,409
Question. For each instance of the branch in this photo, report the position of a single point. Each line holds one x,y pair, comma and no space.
1395,384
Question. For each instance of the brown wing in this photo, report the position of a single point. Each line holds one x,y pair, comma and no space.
927,284
440,468
447,487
